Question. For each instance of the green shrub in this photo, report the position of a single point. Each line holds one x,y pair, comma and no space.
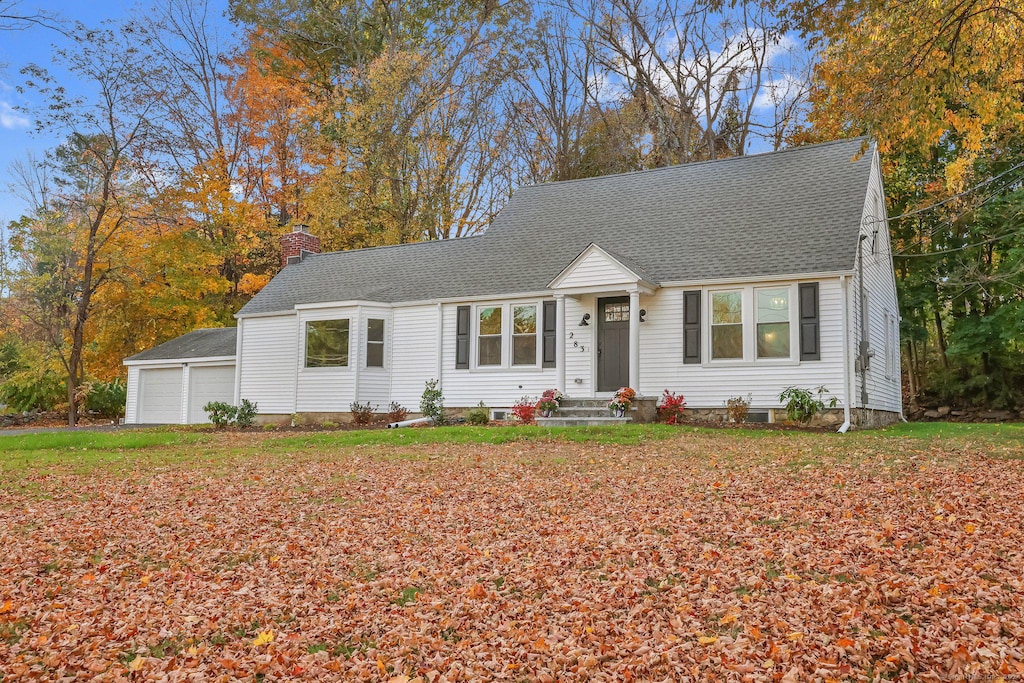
245,414
801,404
107,399
221,414
33,388
432,403
480,415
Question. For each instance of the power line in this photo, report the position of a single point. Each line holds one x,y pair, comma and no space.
966,192
966,246
946,224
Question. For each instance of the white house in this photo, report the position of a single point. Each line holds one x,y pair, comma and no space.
736,277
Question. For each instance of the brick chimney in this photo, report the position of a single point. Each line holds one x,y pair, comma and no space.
297,243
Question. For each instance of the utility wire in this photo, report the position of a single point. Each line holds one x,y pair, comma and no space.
966,246
966,192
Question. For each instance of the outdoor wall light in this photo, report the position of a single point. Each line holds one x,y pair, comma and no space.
586,320
643,312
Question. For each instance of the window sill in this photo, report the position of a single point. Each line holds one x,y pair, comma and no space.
499,369
762,363
326,370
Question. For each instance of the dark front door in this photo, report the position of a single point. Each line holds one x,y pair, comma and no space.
612,343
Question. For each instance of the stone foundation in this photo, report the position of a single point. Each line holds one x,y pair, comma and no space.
314,419
862,418
867,418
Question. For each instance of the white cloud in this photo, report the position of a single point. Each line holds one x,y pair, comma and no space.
777,91
12,119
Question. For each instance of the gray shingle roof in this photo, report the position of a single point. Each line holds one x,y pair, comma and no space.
788,212
196,344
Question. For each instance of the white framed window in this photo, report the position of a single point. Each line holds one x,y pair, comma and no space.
524,335
507,335
374,342
727,325
489,335
773,322
751,325
326,343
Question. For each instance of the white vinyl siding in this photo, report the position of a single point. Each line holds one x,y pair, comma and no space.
131,405
413,353
328,389
375,382
596,269
883,384
267,362
497,387
579,342
710,384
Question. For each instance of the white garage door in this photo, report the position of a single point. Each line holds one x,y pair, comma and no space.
160,396
214,383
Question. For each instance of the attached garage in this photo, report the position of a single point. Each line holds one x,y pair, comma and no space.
170,383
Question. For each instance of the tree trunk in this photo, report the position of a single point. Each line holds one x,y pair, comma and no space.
911,372
940,337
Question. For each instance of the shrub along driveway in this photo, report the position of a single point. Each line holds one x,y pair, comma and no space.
461,554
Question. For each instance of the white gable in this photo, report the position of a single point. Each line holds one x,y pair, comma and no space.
595,267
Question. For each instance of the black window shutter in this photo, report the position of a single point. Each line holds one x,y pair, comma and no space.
550,326
462,338
810,322
691,326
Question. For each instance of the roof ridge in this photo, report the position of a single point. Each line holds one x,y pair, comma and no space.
759,155
363,250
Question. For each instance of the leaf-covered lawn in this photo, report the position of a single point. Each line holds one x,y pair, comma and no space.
682,555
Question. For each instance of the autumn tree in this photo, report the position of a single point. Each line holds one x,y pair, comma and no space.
707,78
938,85
407,99
65,244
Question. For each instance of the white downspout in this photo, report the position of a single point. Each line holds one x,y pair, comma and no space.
440,345
238,361
846,359
560,341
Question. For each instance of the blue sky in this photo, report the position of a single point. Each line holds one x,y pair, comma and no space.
35,46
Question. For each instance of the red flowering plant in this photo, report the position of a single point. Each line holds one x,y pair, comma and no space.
524,409
622,400
671,407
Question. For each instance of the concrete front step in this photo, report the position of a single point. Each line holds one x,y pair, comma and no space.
565,421
588,411
576,409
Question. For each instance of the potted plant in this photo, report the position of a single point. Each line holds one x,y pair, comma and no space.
622,400
549,402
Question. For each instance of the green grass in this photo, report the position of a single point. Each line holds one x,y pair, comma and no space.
98,441
629,434
1010,431
82,451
